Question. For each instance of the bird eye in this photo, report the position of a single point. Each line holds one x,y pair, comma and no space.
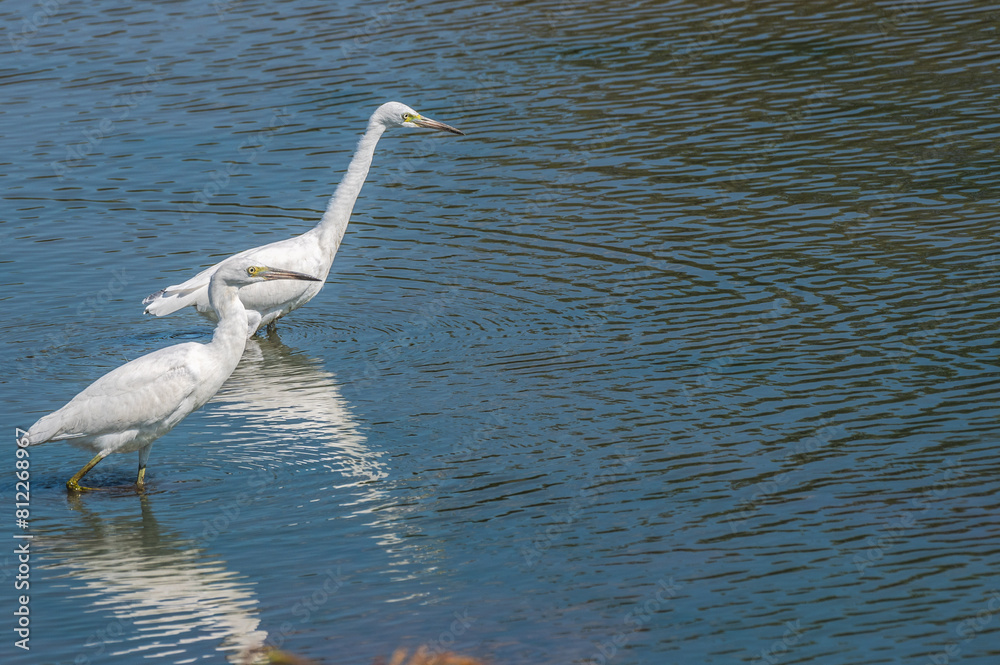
407,117
252,270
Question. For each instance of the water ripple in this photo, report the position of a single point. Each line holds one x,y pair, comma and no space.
698,317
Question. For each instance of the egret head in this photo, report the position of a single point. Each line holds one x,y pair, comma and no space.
241,273
394,114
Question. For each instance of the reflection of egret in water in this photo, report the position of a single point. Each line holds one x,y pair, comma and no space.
295,416
294,413
166,595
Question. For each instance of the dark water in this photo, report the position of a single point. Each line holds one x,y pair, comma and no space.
687,353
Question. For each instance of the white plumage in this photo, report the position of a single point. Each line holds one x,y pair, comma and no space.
312,252
131,406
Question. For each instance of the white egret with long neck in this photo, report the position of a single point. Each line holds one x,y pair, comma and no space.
312,252
130,407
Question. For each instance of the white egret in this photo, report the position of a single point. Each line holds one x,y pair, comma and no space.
312,252
130,407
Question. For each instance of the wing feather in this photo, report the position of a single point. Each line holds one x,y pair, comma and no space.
298,253
146,394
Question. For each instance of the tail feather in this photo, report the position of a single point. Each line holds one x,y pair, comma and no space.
44,429
192,292
153,296
169,301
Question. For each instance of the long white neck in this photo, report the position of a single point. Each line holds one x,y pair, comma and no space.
338,211
230,336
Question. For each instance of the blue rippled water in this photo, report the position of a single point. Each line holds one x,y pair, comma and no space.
686,353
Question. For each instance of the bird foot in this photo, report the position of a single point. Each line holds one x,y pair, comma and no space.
74,486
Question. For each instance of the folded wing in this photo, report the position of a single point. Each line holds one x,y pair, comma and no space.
146,396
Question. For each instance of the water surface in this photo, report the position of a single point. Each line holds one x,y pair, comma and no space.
686,353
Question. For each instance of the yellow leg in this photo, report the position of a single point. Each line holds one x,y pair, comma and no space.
73,484
140,481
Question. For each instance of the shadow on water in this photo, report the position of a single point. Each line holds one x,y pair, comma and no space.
159,593
292,412
158,590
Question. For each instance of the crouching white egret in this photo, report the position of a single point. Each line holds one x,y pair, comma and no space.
130,407
312,252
